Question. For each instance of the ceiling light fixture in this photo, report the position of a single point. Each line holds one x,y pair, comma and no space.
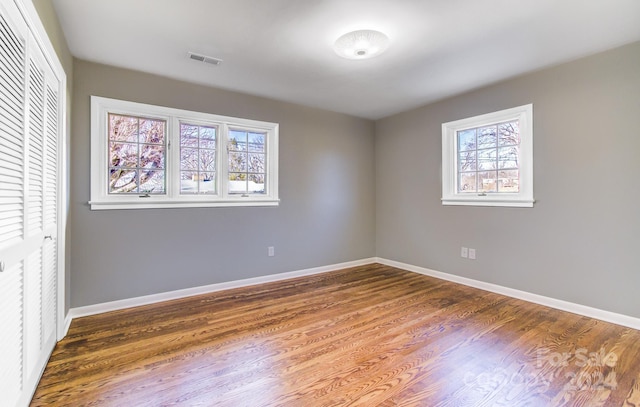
361,44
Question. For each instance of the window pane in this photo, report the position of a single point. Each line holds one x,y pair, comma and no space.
467,140
151,156
188,182
188,135
152,182
237,162
207,160
256,142
123,155
256,183
487,181
487,159
123,128
467,182
487,137
237,183
509,181
237,140
207,132
208,183
151,131
189,159
509,133
123,181
508,157
256,163
208,137
467,161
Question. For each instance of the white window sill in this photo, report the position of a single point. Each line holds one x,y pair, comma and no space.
488,201
136,204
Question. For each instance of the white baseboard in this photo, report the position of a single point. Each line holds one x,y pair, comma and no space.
67,324
206,289
579,309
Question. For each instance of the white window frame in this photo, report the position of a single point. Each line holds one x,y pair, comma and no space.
523,198
101,199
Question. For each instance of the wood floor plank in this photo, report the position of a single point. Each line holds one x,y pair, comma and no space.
366,336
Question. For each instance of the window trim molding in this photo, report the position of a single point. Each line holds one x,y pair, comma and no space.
101,199
524,198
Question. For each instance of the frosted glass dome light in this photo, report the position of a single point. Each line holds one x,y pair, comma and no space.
361,44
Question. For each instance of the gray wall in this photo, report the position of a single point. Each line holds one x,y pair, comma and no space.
326,214
581,241
50,22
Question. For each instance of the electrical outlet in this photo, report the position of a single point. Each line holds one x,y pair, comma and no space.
464,252
472,254
272,251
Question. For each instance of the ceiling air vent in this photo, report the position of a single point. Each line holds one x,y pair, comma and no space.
205,59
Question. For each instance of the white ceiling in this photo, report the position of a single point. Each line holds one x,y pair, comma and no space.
282,49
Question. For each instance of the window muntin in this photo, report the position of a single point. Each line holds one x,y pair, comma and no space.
487,160
136,155
145,156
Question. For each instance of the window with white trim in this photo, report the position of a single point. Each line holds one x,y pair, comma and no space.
146,156
487,160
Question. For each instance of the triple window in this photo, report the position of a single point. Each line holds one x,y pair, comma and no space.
146,156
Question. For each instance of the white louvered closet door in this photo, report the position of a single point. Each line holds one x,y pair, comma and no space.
12,203
30,120
50,209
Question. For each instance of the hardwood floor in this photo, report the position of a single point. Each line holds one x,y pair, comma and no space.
366,336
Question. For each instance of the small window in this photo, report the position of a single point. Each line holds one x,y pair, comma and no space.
145,156
487,160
